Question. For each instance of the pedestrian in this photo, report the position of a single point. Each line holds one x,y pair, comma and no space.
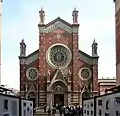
49,111
53,111
44,109
60,111
67,112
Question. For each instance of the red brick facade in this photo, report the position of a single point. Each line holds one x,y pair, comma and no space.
75,85
104,84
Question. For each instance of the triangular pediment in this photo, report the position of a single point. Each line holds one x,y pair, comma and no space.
58,23
32,88
58,76
58,19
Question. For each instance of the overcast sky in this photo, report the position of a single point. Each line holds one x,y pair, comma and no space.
20,20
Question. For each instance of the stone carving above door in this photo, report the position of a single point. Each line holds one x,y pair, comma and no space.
59,88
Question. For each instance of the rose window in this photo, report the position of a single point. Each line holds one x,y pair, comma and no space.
85,73
32,73
58,56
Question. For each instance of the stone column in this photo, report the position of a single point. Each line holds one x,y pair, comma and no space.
50,99
69,99
80,99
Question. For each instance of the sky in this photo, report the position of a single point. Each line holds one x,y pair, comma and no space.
20,19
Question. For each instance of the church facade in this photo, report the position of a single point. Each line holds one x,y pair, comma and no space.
58,72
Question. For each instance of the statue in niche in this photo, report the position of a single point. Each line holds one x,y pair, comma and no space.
22,48
75,16
94,47
42,16
49,73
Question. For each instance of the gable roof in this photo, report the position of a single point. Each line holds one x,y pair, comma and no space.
85,54
85,57
58,23
58,19
82,55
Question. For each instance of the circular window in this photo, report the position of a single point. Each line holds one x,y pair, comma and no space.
58,36
32,74
85,73
58,56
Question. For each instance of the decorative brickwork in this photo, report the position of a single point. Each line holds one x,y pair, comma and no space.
53,81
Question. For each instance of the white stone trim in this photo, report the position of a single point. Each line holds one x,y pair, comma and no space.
117,5
86,59
22,61
30,92
58,24
90,72
58,80
48,58
106,80
31,58
28,75
118,74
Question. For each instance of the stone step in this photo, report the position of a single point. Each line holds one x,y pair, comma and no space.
41,114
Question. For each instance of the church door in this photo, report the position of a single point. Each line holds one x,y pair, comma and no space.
59,99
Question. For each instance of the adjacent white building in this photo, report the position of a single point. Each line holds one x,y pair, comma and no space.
103,105
0,34
11,105
117,38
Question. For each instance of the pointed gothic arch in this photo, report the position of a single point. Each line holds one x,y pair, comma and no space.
32,95
60,86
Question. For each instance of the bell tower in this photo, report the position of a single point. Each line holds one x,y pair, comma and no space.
117,37
22,59
95,64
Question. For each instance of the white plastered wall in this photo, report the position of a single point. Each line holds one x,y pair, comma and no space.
0,35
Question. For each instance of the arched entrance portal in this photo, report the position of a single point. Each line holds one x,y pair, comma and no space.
59,93
32,96
85,95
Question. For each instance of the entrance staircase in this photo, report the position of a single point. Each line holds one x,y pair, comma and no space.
40,112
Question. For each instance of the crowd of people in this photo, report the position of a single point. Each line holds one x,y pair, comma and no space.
64,110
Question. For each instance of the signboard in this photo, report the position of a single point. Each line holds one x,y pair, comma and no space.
27,107
104,105
11,105
88,107
108,105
